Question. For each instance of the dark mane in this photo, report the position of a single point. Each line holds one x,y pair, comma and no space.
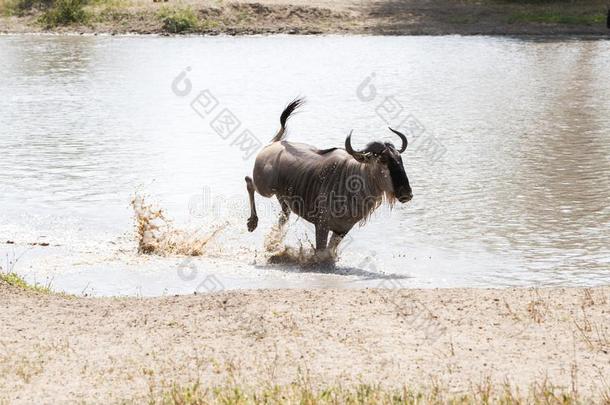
325,151
358,189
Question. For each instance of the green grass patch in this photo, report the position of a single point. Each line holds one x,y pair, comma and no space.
110,11
556,17
23,7
112,14
178,20
15,280
108,3
65,12
209,24
535,1
305,394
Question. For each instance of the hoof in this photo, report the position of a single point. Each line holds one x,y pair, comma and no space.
279,258
252,223
325,258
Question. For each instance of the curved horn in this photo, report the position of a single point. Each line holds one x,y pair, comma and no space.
348,144
403,138
358,155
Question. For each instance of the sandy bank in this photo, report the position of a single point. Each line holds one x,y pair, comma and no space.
413,17
114,349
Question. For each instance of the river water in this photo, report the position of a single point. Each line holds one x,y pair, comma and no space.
509,157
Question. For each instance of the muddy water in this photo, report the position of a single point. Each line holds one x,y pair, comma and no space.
509,157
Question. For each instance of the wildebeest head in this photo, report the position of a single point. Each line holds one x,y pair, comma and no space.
386,155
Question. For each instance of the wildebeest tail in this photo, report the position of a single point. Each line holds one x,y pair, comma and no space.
290,108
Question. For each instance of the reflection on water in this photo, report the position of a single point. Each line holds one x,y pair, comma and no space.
521,197
570,200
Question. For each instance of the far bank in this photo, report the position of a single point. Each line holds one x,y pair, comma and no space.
213,17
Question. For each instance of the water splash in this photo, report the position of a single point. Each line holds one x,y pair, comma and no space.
303,255
156,234
274,240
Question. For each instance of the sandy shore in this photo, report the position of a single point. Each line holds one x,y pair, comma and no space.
122,349
397,17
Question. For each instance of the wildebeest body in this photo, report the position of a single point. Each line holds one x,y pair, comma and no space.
326,187
332,188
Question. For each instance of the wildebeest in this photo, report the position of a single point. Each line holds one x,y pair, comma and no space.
332,188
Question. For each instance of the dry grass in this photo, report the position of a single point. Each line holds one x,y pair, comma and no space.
302,392
28,368
537,308
596,336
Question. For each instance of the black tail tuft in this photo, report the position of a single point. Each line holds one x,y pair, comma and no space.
294,104
290,108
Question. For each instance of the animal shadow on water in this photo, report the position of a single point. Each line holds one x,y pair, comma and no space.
291,261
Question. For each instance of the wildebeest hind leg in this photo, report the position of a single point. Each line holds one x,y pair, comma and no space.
253,220
285,214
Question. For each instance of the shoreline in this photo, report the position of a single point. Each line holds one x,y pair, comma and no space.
532,36
129,349
320,17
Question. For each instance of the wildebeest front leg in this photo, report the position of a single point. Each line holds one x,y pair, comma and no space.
321,237
253,220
